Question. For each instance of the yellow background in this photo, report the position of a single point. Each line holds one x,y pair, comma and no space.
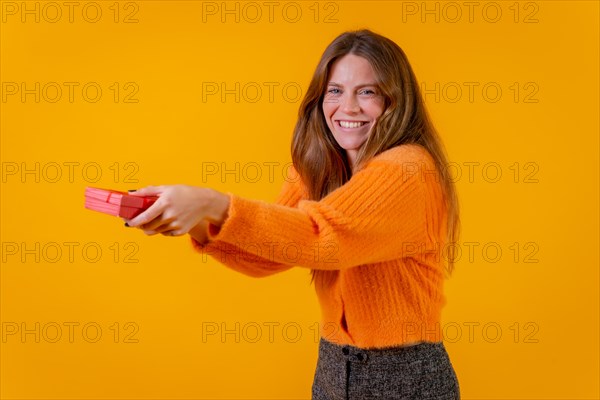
518,329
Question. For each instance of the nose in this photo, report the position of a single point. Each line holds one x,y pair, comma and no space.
350,104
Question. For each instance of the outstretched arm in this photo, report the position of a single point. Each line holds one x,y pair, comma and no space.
392,208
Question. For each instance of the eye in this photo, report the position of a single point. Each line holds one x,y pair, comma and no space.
368,92
333,90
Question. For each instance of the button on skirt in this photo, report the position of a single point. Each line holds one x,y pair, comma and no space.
422,371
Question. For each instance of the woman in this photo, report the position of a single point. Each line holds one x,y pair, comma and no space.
372,215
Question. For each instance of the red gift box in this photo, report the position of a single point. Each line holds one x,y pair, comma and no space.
116,203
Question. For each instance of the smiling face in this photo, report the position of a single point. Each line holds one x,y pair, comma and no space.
352,102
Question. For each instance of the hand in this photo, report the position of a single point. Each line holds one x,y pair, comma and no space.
180,208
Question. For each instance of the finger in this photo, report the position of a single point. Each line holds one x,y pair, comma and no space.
162,228
158,224
154,211
173,232
148,191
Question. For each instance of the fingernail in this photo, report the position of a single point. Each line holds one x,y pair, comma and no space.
132,190
126,224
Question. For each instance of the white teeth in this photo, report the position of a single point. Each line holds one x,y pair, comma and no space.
346,124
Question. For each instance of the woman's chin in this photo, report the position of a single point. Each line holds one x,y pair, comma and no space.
351,146
350,142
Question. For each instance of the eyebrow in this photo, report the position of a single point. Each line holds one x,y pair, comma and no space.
358,86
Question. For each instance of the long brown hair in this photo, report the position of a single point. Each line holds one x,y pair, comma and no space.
322,163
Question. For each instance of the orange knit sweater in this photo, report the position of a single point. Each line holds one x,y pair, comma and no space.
382,234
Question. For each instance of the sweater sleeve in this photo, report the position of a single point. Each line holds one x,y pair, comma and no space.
247,262
388,210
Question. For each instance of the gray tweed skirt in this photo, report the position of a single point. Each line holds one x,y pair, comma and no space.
422,371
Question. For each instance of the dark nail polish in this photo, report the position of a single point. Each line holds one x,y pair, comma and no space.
126,224
132,190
